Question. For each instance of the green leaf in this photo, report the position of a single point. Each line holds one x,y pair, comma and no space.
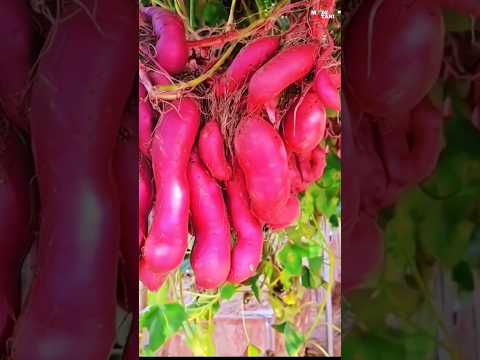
162,321
253,351
268,270
156,334
462,274
254,287
311,276
147,317
174,315
214,13
280,327
278,308
227,291
200,341
290,258
293,340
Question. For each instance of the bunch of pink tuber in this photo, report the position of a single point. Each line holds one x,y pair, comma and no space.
226,195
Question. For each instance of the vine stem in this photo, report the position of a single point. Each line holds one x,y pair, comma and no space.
244,324
320,347
331,283
159,91
170,92
229,24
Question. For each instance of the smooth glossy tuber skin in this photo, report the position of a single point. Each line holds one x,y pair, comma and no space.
145,198
16,223
247,251
426,139
172,143
17,54
211,150
151,280
171,47
75,118
210,256
145,121
248,60
287,215
390,71
312,165
372,174
285,68
297,183
304,127
362,253
327,88
262,156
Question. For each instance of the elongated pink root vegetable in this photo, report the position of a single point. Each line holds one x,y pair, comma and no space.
212,151
152,281
247,252
426,129
262,156
145,198
375,49
210,257
313,165
372,175
171,47
172,143
15,224
267,83
362,253
327,86
16,58
297,183
75,118
287,215
145,121
305,124
248,60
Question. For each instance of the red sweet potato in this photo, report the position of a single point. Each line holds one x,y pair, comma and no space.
327,86
172,142
312,165
152,281
285,68
248,60
286,215
171,47
75,118
263,159
210,256
145,121
16,192
145,198
377,43
362,253
212,151
305,124
17,53
247,251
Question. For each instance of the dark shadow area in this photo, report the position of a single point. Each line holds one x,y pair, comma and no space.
68,180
